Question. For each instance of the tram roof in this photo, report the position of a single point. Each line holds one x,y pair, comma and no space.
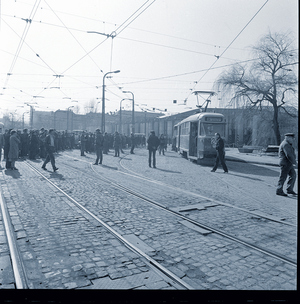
196,117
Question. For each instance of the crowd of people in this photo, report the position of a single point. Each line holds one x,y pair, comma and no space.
44,143
32,144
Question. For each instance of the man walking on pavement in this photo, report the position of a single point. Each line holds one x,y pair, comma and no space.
99,139
287,161
220,153
153,143
50,148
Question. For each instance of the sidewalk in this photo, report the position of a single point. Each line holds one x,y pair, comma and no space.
270,159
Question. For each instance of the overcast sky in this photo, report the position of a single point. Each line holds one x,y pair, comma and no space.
164,49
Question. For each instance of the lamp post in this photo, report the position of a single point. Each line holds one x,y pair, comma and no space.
103,99
121,127
31,112
133,127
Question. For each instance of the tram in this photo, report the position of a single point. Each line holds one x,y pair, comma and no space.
195,135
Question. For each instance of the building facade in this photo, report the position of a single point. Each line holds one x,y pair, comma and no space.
243,126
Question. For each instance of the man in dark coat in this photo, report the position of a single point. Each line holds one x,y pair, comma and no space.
106,143
6,137
50,148
153,143
117,144
220,153
24,143
33,144
13,153
287,161
99,140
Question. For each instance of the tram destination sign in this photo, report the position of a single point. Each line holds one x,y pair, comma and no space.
214,119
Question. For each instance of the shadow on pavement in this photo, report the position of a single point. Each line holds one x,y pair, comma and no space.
170,171
251,169
252,178
56,175
12,173
108,167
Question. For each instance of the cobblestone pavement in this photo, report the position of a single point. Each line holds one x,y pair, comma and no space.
63,248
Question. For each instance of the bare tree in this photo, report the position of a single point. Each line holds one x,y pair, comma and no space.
76,109
269,79
91,106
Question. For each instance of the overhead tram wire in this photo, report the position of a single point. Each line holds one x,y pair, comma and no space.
183,74
31,48
87,53
136,29
227,48
134,18
22,40
72,35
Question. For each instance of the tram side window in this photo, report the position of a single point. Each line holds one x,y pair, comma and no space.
185,128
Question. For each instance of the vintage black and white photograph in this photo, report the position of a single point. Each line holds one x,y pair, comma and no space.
149,151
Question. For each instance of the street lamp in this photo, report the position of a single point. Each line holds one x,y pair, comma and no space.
103,99
133,128
31,112
121,127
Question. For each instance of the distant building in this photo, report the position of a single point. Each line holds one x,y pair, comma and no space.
243,126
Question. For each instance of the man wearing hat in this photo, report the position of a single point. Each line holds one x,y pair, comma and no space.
99,140
287,161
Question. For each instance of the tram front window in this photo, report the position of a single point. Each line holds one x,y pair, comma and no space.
211,129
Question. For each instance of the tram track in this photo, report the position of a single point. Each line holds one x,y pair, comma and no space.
97,179
19,272
260,214
175,280
196,195
193,222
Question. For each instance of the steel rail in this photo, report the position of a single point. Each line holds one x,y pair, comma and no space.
204,226
136,175
17,265
204,197
117,235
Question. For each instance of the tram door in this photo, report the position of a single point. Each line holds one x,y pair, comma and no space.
193,139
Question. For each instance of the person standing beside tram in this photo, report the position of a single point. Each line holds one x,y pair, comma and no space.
99,140
153,143
287,161
220,153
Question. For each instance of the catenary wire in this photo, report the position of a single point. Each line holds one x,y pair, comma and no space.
227,48
73,35
22,40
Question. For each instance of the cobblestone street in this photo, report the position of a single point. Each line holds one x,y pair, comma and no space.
63,247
